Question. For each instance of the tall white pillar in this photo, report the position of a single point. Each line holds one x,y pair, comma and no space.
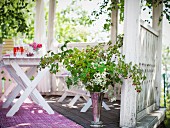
50,36
158,27
40,28
51,23
40,37
128,111
114,25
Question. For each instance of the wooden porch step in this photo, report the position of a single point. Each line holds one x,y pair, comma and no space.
153,119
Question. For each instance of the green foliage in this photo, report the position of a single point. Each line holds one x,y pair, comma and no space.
2,72
32,78
107,6
167,117
95,67
166,6
71,24
166,56
165,63
3,78
15,17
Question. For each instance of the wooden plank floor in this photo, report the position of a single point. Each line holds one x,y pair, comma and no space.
110,118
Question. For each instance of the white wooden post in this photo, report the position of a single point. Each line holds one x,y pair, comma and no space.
158,27
51,32
128,109
51,21
40,36
40,29
114,25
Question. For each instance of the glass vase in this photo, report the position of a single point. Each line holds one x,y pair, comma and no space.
97,98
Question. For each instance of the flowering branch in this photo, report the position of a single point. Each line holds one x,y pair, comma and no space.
35,46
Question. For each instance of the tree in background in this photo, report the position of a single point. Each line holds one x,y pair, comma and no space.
166,64
166,57
16,16
106,7
72,24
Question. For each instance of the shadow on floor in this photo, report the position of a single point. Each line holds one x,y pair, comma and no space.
109,118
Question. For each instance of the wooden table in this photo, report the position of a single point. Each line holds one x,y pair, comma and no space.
14,67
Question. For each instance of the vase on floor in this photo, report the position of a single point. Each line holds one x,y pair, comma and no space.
97,98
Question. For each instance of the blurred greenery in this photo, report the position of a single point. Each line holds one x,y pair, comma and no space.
106,7
165,64
72,24
16,16
167,120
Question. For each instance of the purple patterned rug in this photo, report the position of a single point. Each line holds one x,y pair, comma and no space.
32,116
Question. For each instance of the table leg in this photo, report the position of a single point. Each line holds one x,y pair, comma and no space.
16,90
63,97
89,103
30,89
86,106
42,102
11,96
31,71
73,101
86,97
105,106
6,93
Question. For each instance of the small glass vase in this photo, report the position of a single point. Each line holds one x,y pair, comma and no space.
97,98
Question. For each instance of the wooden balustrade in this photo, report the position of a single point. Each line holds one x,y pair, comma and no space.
147,50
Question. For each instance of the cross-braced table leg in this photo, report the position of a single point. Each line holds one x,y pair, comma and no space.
31,88
89,103
15,91
74,100
11,96
7,92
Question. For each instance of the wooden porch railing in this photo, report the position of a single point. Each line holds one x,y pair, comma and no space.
147,60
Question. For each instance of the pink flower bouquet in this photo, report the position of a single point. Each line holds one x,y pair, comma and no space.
35,46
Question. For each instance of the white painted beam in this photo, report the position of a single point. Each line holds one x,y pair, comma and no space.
51,23
128,115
